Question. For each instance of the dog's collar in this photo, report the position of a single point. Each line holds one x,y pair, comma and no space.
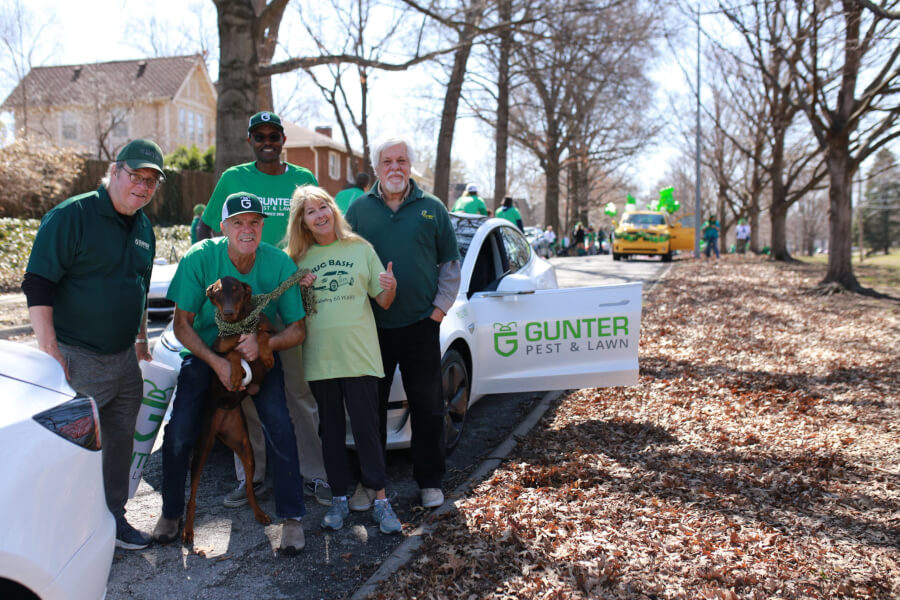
249,323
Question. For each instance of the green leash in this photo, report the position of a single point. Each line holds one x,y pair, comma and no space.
260,301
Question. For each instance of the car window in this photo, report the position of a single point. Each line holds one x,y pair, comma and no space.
643,219
465,228
518,250
488,268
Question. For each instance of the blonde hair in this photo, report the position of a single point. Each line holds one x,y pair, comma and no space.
299,238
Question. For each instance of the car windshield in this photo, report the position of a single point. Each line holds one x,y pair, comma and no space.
465,227
643,219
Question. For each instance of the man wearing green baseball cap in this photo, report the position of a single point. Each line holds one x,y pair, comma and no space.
274,182
86,286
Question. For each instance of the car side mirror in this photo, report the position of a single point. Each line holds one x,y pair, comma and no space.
516,283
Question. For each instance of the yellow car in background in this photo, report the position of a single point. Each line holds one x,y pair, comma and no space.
650,233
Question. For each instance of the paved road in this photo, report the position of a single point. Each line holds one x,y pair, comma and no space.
574,271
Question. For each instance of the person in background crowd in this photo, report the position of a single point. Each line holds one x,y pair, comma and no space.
510,213
342,361
345,197
199,229
470,203
742,233
86,286
411,230
711,236
273,181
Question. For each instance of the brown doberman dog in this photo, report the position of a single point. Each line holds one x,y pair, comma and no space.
223,418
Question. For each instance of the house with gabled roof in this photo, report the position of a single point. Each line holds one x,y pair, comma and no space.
98,108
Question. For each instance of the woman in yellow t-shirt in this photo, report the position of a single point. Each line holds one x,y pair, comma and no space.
341,359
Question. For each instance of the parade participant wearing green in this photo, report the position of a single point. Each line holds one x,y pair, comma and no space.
470,202
510,213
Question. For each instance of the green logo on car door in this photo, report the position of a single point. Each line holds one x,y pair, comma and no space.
505,337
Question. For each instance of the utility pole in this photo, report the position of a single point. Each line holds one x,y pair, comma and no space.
697,153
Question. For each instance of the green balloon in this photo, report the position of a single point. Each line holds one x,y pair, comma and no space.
610,209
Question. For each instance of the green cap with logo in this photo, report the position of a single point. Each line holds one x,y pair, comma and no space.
240,203
265,118
142,154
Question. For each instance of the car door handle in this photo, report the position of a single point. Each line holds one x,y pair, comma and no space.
501,294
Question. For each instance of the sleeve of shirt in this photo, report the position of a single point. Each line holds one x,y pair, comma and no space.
55,245
375,269
448,285
188,288
212,214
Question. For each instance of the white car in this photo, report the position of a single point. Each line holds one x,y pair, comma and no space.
158,306
56,535
512,330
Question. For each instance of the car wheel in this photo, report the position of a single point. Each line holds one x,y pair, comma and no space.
455,386
667,257
333,286
616,256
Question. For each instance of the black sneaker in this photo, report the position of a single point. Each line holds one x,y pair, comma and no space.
129,538
318,489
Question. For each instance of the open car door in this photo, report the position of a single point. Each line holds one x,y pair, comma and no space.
539,340
681,237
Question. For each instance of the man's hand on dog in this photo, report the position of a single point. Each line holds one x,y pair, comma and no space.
248,347
222,368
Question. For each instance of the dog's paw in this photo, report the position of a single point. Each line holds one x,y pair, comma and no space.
268,359
187,536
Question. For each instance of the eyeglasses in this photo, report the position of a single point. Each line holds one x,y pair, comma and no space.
273,137
137,179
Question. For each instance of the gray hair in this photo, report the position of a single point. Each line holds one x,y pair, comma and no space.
387,143
113,166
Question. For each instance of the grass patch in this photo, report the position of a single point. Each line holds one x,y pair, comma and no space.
878,271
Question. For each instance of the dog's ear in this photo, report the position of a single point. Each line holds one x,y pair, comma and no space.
213,290
248,291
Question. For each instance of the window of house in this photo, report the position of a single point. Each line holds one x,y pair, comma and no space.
334,165
70,125
200,130
190,126
182,127
350,174
119,119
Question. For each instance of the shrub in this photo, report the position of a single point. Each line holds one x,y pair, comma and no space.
35,176
191,159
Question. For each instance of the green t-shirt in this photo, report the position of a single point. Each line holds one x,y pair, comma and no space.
417,239
207,261
341,339
100,262
345,198
472,205
274,192
511,214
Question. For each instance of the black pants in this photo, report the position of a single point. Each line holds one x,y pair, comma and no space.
417,349
360,396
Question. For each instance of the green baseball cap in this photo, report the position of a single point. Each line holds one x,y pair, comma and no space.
240,203
142,154
265,118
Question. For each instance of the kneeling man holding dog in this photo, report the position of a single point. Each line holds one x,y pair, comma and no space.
263,267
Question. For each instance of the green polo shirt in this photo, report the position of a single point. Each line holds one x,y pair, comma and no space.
472,205
100,262
345,198
511,214
274,191
417,239
208,260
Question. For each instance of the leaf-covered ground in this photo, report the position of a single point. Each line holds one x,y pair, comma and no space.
758,457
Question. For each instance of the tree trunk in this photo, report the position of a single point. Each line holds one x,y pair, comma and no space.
501,136
551,199
238,81
841,169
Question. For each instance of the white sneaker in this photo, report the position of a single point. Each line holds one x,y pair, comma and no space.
432,497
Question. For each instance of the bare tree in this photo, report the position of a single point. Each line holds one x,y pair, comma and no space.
848,47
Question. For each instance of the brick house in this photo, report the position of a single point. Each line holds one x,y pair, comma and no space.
97,108
325,156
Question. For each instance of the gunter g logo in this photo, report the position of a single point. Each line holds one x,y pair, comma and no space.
506,340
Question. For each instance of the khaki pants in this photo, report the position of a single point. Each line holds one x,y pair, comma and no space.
304,413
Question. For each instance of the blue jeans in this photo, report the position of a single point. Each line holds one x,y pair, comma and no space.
712,244
184,426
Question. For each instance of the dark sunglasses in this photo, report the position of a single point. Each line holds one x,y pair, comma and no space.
273,137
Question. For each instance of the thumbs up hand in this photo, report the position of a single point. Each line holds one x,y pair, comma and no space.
387,280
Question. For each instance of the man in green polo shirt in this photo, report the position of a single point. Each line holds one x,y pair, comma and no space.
412,229
86,286
273,181
470,203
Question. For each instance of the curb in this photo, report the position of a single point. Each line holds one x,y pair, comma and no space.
404,552
9,332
